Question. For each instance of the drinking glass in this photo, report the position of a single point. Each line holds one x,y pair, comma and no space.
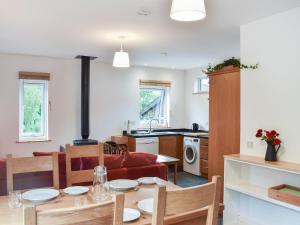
100,186
15,199
80,201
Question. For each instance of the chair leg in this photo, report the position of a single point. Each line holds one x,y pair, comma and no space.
29,214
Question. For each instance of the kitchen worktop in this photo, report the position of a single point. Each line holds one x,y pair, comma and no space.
168,132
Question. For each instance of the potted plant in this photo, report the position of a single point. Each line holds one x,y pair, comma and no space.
229,63
273,141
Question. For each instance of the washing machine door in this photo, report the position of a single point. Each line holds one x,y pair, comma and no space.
190,154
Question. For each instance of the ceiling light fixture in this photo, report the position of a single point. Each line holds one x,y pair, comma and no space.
188,10
121,58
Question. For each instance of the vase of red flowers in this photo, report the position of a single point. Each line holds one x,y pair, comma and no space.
273,141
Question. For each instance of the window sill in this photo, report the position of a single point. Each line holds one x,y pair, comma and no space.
32,141
200,93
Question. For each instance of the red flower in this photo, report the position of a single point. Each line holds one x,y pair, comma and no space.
277,141
269,134
273,132
258,135
259,131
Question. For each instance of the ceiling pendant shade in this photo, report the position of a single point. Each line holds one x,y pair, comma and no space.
121,59
188,10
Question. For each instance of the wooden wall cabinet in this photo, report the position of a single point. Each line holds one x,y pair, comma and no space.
224,118
172,146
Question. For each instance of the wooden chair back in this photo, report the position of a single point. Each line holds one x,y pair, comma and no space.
107,213
31,165
87,151
184,205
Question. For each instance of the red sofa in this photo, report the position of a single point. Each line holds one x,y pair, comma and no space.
130,166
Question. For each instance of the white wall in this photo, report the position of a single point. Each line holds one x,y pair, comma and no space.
270,94
196,105
114,99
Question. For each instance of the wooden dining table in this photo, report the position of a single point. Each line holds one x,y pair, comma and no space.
14,216
9,216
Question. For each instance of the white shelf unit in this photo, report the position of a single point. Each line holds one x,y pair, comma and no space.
246,184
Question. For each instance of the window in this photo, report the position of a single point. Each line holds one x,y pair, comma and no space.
33,123
154,103
201,85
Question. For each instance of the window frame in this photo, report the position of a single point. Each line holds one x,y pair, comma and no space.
165,107
43,136
199,86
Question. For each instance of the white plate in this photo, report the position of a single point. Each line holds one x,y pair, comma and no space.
40,195
147,180
76,190
130,215
146,205
123,184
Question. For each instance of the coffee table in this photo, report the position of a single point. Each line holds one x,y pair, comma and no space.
168,160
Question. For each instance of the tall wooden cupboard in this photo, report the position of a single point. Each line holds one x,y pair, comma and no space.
224,118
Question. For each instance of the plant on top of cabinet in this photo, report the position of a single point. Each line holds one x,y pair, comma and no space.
273,141
229,62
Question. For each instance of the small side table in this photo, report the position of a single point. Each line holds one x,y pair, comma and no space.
169,161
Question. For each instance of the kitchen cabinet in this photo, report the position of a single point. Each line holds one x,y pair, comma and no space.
131,144
148,145
204,157
224,118
172,146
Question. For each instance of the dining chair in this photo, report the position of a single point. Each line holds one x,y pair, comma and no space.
107,213
87,151
31,165
188,205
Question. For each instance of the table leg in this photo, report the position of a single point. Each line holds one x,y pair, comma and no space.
175,173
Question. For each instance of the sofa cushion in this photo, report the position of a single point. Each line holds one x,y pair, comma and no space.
136,159
153,170
110,162
113,161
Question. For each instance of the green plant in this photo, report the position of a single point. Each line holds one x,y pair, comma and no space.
229,62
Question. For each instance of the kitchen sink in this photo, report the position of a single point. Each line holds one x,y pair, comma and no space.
144,133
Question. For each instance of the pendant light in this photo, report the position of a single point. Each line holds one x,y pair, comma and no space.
188,10
121,58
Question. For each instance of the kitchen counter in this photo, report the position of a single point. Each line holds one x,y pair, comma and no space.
168,132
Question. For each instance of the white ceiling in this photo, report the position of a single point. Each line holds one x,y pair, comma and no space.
66,28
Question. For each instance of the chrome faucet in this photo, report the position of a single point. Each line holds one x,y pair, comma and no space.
150,125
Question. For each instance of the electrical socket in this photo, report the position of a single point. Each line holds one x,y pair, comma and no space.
250,144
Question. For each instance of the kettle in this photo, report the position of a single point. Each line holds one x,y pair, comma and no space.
195,127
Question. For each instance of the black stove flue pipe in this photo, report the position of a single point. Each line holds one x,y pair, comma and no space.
85,101
85,97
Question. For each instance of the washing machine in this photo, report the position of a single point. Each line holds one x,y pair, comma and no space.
191,155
